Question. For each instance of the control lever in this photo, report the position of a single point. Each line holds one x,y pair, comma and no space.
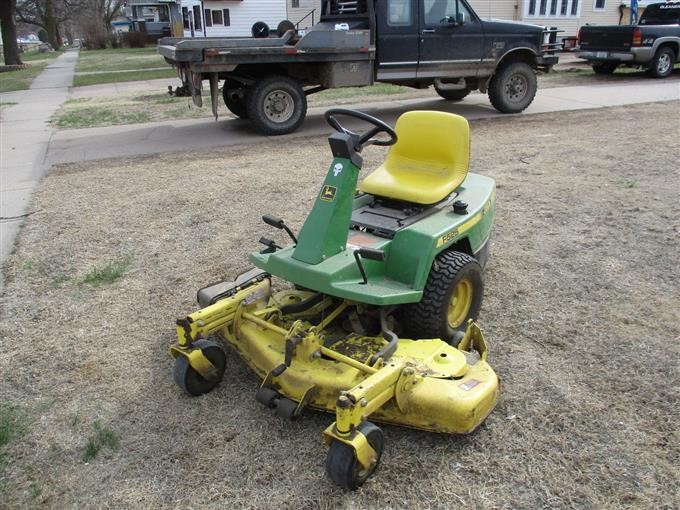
370,254
275,222
270,244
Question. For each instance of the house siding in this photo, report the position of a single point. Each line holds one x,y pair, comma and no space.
242,15
295,14
499,9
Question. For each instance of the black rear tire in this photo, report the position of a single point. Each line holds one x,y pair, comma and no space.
604,67
439,314
662,63
452,95
513,87
277,105
235,97
341,463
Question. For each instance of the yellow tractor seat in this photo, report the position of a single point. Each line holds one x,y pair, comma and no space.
428,162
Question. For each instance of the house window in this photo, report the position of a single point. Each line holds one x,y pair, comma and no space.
197,17
208,18
217,17
227,20
185,18
567,8
599,5
295,4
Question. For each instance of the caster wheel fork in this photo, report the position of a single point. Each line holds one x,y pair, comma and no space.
342,464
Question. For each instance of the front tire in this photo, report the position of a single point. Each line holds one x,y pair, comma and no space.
513,87
604,67
341,463
189,379
452,295
277,105
662,63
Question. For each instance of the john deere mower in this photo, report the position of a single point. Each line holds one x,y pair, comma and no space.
385,282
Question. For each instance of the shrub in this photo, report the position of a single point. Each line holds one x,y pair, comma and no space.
134,39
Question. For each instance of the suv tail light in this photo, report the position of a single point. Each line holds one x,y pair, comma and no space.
637,37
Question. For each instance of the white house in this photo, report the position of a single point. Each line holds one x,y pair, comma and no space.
229,18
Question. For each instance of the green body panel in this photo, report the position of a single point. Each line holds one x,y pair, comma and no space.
324,233
401,277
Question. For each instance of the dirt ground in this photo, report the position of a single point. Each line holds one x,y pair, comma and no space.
580,311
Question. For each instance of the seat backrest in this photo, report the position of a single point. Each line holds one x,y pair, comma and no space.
428,162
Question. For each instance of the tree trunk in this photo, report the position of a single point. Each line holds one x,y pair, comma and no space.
9,32
51,25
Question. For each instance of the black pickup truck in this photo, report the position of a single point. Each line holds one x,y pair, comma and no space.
416,43
654,43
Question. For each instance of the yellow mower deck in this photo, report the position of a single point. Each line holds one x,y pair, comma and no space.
425,384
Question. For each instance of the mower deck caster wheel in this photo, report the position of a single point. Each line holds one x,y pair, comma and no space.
341,463
267,397
286,408
189,379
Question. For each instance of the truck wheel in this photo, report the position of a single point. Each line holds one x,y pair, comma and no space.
662,63
452,295
513,87
234,95
277,105
452,95
604,67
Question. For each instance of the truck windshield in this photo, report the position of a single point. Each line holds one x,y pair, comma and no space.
661,14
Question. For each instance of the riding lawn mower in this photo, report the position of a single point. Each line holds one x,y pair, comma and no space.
386,282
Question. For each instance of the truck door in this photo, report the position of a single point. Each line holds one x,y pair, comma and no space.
397,39
450,39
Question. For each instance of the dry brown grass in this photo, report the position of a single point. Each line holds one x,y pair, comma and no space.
581,311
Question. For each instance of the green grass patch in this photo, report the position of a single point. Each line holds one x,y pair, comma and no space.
6,105
107,274
141,74
31,56
102,438
119,59
94,116
13,423
21,78
128,109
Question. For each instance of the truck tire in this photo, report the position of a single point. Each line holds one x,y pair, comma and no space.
452,295
604,67
452,95
513,87
277,105
661,65
235,96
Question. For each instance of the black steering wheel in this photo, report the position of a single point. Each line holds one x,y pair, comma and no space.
361,141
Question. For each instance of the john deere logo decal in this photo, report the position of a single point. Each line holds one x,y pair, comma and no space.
328,193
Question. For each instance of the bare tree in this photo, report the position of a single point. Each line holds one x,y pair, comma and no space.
10,48
46,14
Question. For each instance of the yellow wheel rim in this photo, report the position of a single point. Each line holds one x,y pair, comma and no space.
461,301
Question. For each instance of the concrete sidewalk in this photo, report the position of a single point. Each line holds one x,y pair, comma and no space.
24,136
140,139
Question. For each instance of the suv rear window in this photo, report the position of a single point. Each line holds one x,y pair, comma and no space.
661,14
